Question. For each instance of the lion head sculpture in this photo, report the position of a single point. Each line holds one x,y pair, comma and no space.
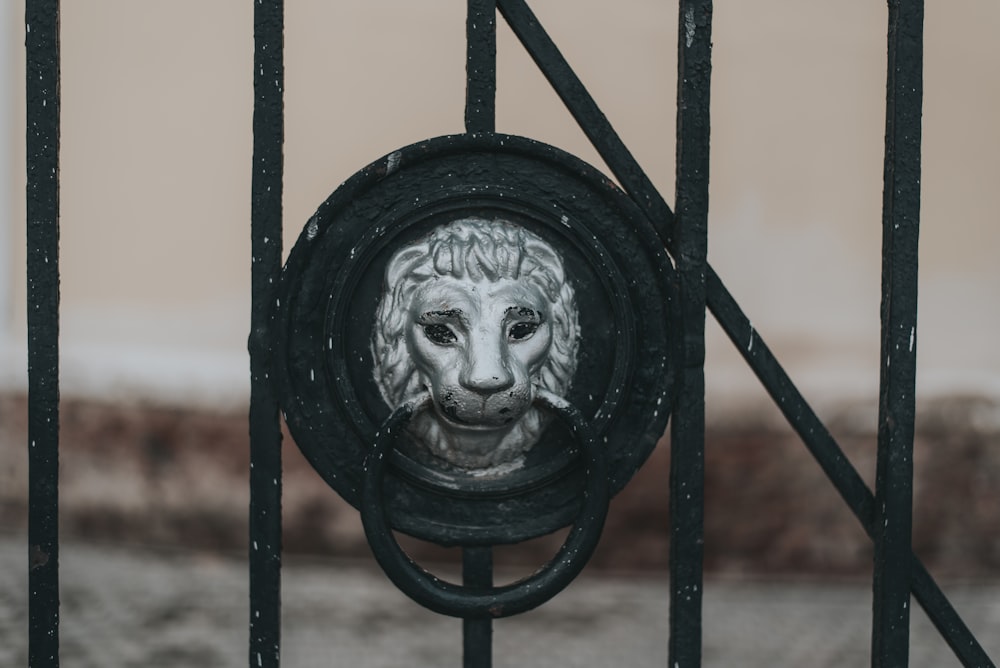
479,314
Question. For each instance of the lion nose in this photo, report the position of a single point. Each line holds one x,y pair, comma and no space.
486,371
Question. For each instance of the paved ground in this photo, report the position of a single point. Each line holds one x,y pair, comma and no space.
136,608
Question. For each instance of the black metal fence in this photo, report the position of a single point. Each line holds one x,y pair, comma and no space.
885,514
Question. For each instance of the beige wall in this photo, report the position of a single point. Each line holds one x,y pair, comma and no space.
156,145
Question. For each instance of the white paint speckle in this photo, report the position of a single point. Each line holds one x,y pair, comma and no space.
392,163
689,27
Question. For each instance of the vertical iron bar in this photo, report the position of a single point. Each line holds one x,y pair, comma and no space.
265,430
687,464
900,231
480,116
477,634
42,137
481,66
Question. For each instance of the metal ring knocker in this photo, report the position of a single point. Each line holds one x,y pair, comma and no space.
461,601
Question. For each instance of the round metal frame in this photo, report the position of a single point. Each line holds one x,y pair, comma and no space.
625,284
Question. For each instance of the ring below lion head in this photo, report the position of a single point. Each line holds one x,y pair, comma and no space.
479,314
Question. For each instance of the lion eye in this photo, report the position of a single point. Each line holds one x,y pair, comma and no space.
522,330
440,334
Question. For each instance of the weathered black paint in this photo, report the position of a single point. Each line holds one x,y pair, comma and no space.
265,432
477,634
481,66
900,232
690,245
43,106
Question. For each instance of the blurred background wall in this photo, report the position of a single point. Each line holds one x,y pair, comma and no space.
155,200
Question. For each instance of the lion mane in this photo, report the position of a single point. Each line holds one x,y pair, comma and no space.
473,249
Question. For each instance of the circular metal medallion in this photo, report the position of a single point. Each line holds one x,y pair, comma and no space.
401,282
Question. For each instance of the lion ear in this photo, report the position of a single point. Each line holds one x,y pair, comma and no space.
545,267
402,264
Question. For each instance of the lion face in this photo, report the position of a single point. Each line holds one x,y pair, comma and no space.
479,315
477,347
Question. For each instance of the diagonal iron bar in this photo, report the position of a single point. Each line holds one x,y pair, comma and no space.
587,114
838,469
